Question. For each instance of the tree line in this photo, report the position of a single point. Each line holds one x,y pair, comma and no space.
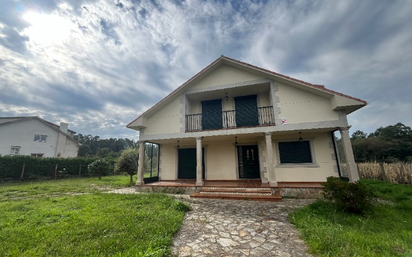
387,144
104,148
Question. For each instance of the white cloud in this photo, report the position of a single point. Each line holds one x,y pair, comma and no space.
108,63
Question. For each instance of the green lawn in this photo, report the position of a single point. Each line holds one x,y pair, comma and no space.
387,231
75,218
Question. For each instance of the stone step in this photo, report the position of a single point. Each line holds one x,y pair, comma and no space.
234,193
271,198
237,190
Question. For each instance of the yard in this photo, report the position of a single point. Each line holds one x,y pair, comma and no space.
76,218
387,231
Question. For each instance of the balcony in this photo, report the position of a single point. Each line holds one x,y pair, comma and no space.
262,116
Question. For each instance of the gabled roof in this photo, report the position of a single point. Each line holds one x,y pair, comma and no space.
11,120
227,60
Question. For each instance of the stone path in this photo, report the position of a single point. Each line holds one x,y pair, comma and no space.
237,228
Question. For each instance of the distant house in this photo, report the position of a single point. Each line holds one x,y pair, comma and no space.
233,121
36,137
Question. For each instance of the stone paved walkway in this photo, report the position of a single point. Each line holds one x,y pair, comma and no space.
238,228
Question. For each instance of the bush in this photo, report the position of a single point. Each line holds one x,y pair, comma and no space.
350,197
41,168
127,162
99,167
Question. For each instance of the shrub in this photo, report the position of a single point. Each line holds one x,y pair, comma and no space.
350,197
41,168
99,167
127,162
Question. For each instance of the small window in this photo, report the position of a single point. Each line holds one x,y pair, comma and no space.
37,155
40,138
14,150
295,152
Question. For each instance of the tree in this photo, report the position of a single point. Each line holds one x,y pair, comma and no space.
103,152
390,144
358,134
84,151
128,162
100,167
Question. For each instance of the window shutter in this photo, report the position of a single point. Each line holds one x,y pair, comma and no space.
295,152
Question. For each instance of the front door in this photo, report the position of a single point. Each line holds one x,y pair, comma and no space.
186,167
248,158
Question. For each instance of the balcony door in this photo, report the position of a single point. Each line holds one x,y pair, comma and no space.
246,111
212,114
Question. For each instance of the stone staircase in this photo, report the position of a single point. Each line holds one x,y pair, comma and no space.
236,193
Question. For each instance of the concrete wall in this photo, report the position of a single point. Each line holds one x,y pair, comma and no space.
298,106
225,75
324,163
165,120
71,149
22,134
221,159
168,162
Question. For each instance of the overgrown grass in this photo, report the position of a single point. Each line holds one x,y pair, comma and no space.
386,231
47,188
58,223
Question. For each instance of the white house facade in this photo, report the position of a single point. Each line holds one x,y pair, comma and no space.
234,121
36,137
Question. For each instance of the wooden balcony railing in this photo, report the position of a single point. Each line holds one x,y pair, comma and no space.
194,122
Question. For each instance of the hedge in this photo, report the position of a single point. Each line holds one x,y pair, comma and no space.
11,167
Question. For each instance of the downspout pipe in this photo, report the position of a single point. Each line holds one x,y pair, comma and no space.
336,154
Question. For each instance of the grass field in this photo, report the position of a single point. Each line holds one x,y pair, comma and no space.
76,218
387,231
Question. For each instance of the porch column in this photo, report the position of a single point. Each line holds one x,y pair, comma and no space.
350,159
199,166
271,164
140,165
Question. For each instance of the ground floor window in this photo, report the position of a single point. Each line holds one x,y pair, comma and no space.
37,155
14,150
295,152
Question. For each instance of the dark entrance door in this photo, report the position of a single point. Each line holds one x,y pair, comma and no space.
248,158
187,163
246,111
212,114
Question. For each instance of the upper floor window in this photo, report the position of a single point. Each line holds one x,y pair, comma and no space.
40,138
295,152
14,150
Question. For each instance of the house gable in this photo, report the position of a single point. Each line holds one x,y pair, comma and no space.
35,136
166,119
223,75
23,134
296,101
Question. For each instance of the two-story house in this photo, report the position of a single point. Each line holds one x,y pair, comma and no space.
36,137
234,121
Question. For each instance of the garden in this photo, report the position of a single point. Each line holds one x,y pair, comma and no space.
78,217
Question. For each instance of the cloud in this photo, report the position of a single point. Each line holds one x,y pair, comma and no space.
99,64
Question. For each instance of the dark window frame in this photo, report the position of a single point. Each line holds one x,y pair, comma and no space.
295,152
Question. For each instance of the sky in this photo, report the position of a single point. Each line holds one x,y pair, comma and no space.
98,64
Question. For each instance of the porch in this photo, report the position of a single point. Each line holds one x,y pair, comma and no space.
253,190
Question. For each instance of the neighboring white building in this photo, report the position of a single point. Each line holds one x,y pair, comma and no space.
36,137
